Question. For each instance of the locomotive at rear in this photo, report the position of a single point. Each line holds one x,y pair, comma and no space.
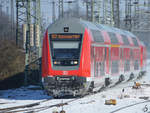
79,56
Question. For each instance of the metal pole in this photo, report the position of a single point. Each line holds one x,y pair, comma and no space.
17,23
118,14
99,11
27,43
12,16
105,11
130,10
59,10
112,13
38,22
92,10
53,10
87,10
149,5
62,8
1,7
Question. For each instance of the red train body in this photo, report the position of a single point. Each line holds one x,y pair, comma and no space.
79,56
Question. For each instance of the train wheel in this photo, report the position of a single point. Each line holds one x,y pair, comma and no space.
91,86
131,76
140,75
107,81
121,78
62,111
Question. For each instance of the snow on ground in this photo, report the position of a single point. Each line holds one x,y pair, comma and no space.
89,104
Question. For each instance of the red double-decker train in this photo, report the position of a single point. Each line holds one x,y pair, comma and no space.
79,56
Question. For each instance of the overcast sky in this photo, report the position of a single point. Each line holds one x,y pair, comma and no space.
46,8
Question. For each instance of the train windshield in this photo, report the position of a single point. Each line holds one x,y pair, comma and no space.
65,45
65,49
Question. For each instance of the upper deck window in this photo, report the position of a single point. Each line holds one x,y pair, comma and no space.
113,38
135,41
125,40
97,36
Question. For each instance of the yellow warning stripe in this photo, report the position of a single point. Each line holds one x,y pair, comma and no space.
114,45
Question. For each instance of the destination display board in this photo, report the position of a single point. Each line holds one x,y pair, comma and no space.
65,36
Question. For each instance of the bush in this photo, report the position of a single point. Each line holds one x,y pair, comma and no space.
11,59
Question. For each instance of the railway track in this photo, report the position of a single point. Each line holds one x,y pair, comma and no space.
7,110
128,106
34,107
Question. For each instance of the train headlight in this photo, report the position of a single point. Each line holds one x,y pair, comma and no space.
56,62
75,62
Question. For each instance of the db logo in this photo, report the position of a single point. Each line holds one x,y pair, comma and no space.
65,73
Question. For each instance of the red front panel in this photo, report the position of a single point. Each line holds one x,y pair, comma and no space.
85,60
85,64
46,62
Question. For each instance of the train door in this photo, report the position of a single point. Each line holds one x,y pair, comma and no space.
126,59
114,60
92,62
136,55
102,61
95,62
121,60
99,61
131,60
107,60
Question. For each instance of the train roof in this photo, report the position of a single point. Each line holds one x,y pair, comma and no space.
97,26
79,25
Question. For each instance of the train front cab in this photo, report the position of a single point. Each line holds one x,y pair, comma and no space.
67,73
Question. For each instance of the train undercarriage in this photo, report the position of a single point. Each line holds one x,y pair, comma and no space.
62,86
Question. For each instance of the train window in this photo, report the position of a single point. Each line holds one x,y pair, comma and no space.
135,41
64,45
121,53
131,54
105,53
102,68
113,38
125,39
98,25
115,67
127,65
97,36
136,65
89,25
96,74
